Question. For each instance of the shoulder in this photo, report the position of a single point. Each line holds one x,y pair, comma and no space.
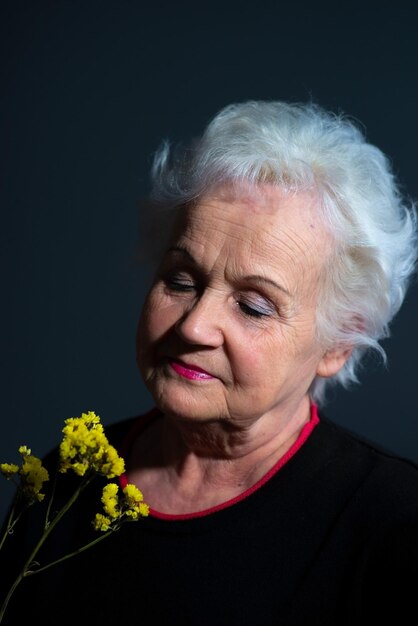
386,481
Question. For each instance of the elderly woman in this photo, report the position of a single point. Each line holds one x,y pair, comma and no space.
289,251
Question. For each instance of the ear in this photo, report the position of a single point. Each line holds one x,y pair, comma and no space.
332,361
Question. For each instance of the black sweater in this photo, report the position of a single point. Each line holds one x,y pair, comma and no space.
331,539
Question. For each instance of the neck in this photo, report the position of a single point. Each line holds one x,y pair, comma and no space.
183,468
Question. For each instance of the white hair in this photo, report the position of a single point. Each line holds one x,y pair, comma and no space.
304,147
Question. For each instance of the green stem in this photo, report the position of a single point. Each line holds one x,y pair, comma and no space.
49,528
51,499
68,556
9,526
11,523
9,595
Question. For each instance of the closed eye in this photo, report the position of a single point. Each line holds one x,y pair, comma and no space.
256,310
179,282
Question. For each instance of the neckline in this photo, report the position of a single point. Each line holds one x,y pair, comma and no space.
143,421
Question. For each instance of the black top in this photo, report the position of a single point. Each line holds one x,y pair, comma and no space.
331,539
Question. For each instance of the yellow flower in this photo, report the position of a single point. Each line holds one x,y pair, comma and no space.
135,504
9,469
33,475
101,522
110,500
129,507
85,448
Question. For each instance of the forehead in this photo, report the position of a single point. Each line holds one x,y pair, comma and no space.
257,224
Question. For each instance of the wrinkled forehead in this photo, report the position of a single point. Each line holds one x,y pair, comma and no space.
261,209
267,226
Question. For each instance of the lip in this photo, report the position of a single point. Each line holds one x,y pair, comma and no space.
191,372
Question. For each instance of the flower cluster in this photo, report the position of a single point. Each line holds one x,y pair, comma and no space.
116,509
31,473
86,451
85,448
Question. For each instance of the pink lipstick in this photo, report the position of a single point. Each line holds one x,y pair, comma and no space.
192,372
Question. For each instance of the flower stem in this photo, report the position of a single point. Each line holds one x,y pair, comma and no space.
25,571
9,526
71,554
51,499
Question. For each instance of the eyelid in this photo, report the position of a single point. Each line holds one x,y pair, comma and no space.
178,280
179,275
259,303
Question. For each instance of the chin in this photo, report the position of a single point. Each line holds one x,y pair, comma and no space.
181,398
183,406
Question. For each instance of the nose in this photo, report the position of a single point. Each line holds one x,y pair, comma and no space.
202,323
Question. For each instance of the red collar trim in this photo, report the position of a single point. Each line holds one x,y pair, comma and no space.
143,421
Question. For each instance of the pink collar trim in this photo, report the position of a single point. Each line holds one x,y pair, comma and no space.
303,436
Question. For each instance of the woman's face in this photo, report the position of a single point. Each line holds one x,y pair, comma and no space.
228,327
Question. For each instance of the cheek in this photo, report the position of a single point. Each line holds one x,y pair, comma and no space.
265,360
157,318
257,361
151,327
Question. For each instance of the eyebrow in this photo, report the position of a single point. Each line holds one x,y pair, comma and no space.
254,277
183,251
262,279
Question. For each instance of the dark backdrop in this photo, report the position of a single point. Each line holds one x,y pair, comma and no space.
88,89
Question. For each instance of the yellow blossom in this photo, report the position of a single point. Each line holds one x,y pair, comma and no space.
101,522
136,507
130,506
85,448
33,476
9,469
110,500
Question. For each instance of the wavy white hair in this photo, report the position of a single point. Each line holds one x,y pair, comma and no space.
304,147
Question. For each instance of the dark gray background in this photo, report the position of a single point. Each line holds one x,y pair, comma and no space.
87,91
